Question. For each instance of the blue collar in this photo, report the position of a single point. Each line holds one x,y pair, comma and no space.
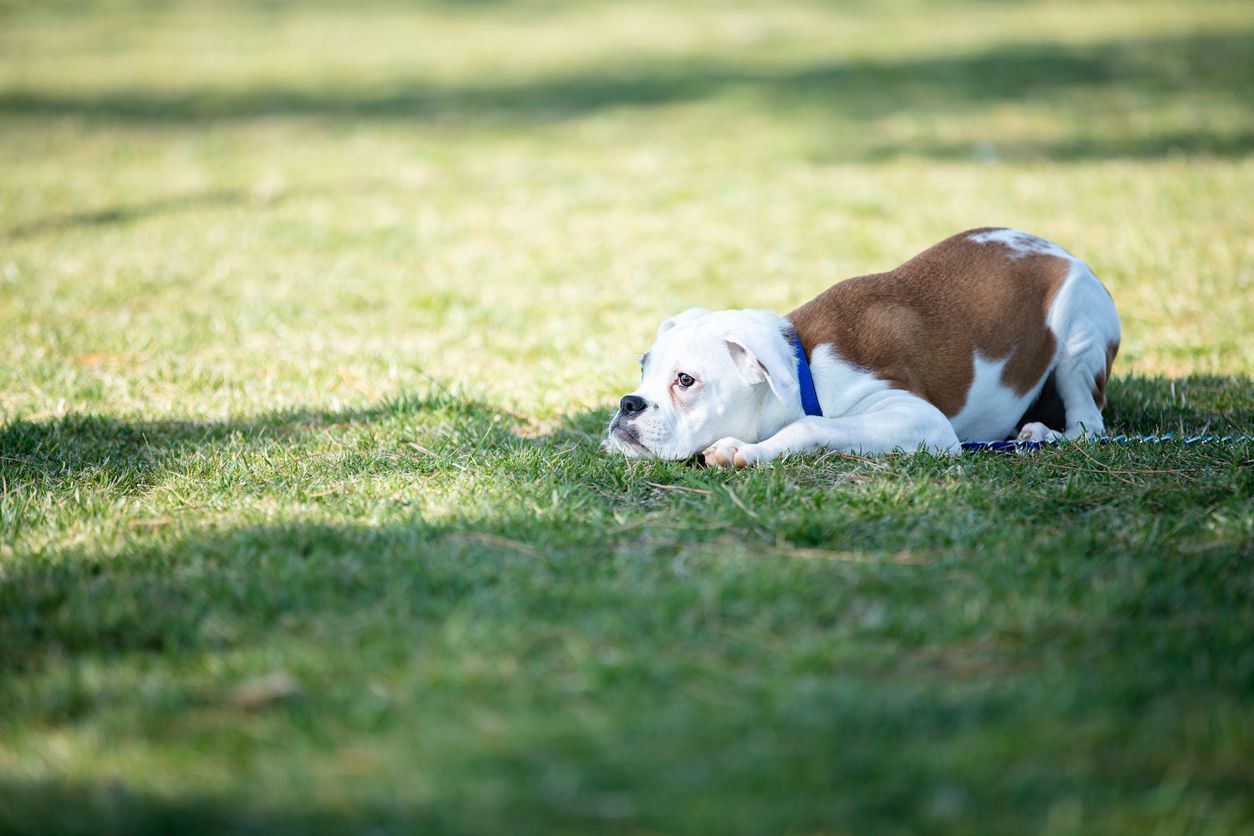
809,398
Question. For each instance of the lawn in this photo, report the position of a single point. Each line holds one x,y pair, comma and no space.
312,314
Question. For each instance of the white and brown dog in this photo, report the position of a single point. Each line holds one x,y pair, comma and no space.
988,334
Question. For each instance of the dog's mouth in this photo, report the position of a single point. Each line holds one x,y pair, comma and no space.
628,440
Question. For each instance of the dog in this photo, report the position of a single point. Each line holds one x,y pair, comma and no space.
991,334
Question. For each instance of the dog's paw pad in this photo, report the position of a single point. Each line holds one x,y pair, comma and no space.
725,453
1037,431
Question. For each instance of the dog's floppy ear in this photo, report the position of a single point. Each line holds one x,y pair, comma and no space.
681,319
764,354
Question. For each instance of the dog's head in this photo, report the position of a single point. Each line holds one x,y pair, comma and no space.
708,376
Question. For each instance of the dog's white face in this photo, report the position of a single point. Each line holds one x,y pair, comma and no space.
707,377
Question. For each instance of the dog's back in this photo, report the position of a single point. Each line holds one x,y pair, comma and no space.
976,325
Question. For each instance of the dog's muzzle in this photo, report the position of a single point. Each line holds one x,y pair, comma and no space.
622,429
625,437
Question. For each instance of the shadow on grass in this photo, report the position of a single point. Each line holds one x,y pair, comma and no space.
1144,146
565,667
125,214
125,454
315,569
560,672
188,201
1216,65
61,808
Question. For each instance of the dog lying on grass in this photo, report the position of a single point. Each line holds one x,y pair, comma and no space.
989,334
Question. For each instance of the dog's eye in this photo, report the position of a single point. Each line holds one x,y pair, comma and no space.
684,380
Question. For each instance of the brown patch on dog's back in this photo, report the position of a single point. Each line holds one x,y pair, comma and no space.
918,326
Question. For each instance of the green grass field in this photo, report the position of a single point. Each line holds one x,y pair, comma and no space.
311,316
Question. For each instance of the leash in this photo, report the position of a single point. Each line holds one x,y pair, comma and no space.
1169,438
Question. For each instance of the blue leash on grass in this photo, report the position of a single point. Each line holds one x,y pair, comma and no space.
1169,438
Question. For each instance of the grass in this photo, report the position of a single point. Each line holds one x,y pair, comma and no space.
313,313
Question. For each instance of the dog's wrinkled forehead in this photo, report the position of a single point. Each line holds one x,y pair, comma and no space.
687,318
690,338
740,345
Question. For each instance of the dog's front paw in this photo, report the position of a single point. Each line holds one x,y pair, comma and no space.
723,453
732,452
1037,431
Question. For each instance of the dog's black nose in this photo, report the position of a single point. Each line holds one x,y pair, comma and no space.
631,404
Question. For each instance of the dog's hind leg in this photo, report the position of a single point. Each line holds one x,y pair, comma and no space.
1086,325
